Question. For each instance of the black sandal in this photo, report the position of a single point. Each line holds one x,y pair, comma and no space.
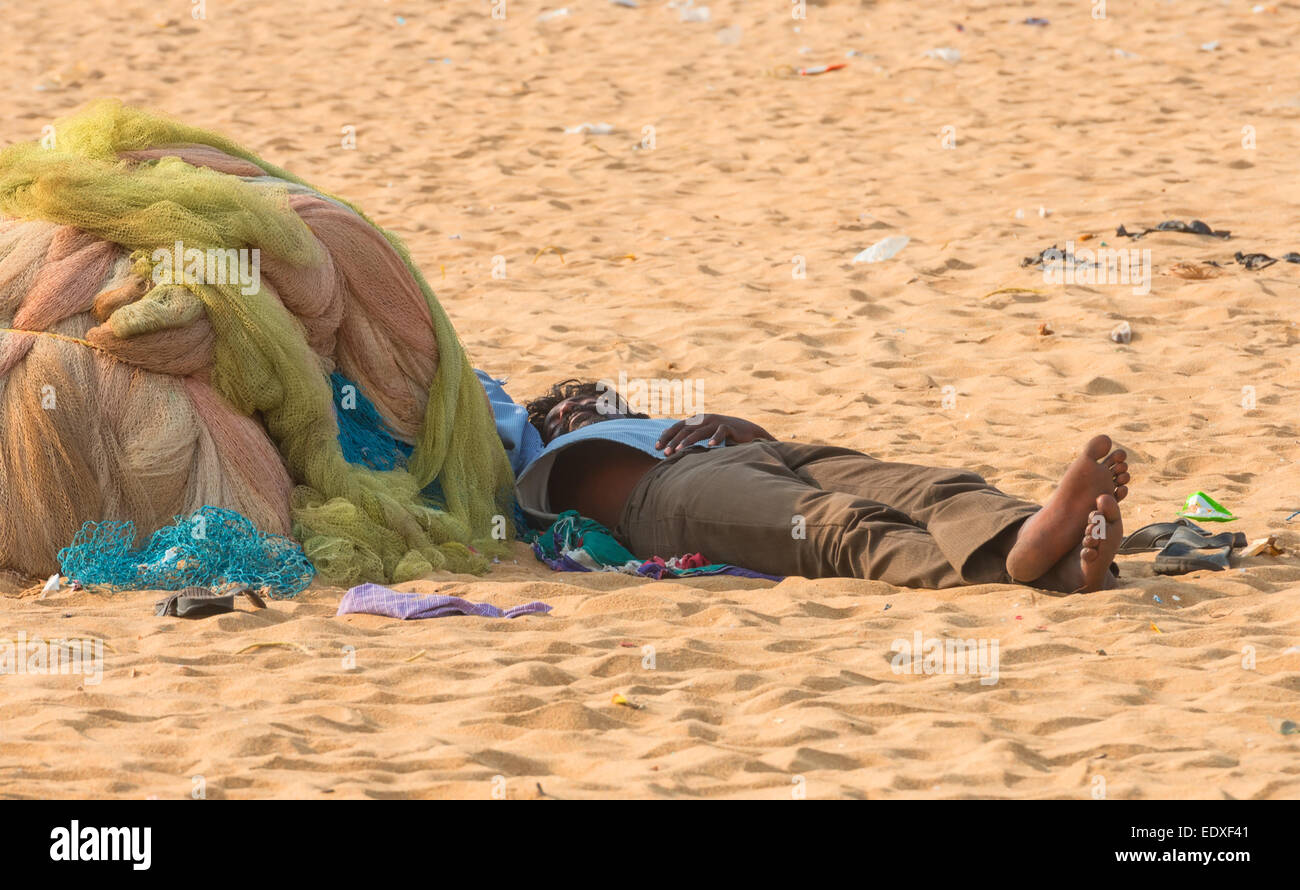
1185,553
200,602
1156,535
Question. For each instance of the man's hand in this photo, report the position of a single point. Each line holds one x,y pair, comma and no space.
717,428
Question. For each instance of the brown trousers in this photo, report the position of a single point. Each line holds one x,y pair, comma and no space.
787,508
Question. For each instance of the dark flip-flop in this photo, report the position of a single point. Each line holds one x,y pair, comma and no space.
1254,261
1156,535
1189,552
200,602
1195,227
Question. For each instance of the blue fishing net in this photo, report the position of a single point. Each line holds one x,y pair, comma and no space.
363,434
210,548
366,438
214,546
523,525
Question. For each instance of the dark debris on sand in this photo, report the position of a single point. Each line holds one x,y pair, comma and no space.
1195,227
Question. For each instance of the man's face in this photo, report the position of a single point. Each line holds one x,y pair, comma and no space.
572,414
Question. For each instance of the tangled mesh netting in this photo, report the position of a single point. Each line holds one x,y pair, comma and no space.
132,396
210,548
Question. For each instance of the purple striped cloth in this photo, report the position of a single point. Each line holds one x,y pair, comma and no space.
374,599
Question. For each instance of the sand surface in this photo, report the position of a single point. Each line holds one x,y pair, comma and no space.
676,261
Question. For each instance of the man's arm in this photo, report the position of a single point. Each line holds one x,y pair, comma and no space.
717,428
521,441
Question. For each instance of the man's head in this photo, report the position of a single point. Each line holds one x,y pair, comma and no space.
572,404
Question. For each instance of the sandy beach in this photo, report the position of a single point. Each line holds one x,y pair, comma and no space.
711,236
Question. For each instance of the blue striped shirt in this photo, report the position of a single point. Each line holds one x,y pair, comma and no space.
531,487
532,461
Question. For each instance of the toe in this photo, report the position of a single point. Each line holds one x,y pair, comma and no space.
1121,479
1095,530
1108,507
1121,492
1097,447
1088,554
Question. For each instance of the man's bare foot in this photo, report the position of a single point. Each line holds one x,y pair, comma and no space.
1054,532
1087,567
1100,544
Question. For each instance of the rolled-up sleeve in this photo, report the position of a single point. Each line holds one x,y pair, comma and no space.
521,440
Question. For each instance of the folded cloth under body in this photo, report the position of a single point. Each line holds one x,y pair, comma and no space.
575,544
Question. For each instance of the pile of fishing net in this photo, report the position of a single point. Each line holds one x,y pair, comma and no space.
210,548
185,325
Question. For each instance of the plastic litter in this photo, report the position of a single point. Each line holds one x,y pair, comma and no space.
630,4
601,129
882,250
1210,47
944,54
553,14
821,69
694,14
1200,505
1055,258
1122,333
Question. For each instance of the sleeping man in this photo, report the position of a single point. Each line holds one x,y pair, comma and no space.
727,488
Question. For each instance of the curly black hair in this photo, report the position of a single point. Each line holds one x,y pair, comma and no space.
539,407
